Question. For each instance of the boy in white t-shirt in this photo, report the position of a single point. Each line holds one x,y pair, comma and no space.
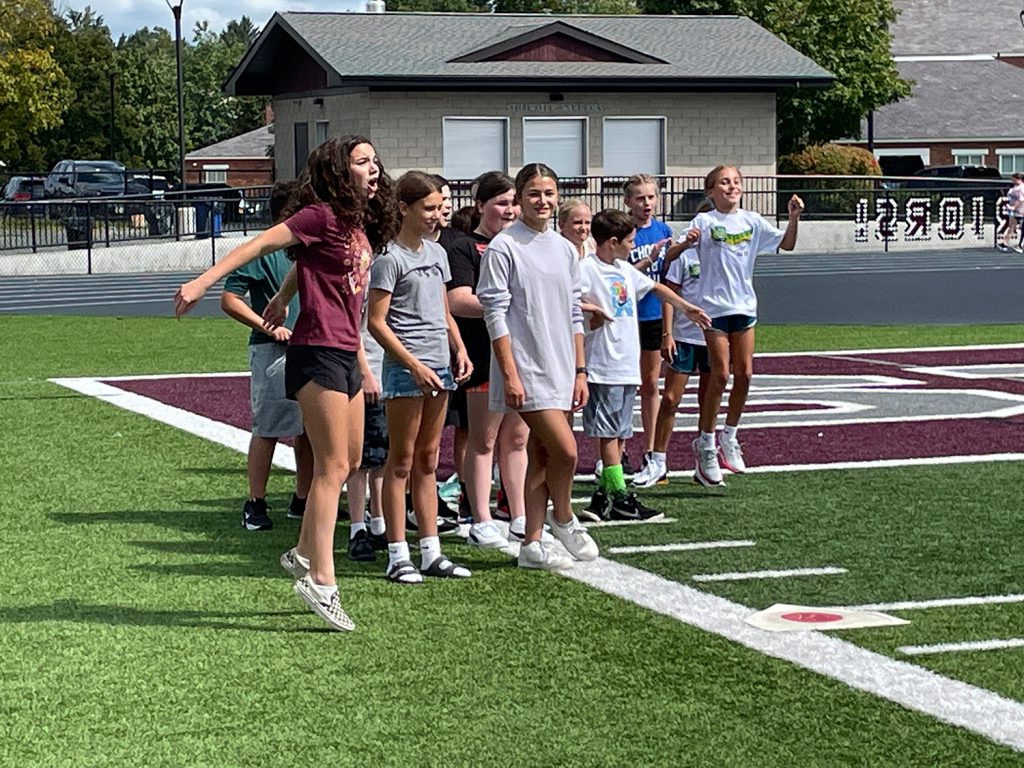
611,288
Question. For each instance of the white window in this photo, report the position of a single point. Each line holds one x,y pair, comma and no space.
1011,161
974,156
634,145
215,174
560,143
473,145
322,128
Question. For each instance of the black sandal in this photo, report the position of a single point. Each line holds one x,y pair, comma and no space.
404,572
443,568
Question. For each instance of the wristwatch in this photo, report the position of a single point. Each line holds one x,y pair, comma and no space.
582,370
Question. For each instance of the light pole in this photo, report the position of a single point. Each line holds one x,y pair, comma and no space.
176,10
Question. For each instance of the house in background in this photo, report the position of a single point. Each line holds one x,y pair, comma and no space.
241,161
967,101
460,94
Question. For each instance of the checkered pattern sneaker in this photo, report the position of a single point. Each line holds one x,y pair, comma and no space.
328,607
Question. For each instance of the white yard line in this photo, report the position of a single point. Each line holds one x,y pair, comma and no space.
689,546
214,431
770,574
978,645
951,701
618,523
892,350
942,602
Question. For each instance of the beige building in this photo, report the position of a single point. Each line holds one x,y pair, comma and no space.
459,94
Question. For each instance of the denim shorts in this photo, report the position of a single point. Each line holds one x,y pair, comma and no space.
398,382
733,323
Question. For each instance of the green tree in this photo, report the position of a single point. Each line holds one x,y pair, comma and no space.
147,99
849,38
34,91
86,54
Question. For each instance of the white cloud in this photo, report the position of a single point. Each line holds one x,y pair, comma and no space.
126,16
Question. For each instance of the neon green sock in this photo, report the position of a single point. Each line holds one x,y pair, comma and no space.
612,478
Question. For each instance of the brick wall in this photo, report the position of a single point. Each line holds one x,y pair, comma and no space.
406,127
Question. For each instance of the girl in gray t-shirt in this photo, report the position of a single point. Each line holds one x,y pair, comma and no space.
408,315
530,292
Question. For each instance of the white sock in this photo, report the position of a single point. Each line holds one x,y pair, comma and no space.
356,528
397,552
326,590
729,433
518,525
430,550
707,439
658,458
377,526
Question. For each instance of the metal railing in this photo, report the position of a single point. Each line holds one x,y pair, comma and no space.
857,214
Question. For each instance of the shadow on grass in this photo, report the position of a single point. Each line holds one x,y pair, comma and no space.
122,615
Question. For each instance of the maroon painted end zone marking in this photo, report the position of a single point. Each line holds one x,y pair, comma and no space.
221,398
226,399
811,617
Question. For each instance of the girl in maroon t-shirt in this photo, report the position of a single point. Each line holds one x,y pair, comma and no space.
343,212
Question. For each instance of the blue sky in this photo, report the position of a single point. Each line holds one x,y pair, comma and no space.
125,16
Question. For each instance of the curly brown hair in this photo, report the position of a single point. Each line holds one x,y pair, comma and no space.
327,179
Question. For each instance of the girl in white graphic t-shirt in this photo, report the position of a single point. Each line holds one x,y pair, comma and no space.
728,240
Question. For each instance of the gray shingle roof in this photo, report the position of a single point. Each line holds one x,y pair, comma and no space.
248,145
956,100
365,47
933,27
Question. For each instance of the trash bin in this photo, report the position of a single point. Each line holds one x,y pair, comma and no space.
77,227
186,220
209,218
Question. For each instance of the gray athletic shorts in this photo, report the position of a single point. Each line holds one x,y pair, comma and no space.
609,411
273,414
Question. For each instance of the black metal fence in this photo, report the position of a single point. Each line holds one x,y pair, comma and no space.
865,212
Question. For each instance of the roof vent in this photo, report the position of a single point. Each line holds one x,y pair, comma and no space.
375,6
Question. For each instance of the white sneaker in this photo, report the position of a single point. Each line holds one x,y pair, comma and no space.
654,473
542,557
328,608
291,563
598,470
575,539
517,533
731,456
706,464
487,535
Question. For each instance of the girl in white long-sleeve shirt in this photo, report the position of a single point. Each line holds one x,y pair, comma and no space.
530,293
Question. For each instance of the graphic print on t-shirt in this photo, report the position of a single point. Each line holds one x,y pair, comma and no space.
721,235
358,277
622,304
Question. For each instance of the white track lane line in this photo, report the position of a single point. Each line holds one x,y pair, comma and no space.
942,602
775,574
954,702
689,546
977,645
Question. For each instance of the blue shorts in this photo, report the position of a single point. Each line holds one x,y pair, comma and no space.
690,358
733,323
398,382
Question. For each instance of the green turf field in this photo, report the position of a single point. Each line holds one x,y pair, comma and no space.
142,626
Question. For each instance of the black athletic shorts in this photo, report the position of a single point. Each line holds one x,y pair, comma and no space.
331,368
650,335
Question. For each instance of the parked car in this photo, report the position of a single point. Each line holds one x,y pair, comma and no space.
91,178
19,191
964,181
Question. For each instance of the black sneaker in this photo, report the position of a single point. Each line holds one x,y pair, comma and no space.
501,510
254,516
296,508
360,548
598,509
626,506
379,541
465,510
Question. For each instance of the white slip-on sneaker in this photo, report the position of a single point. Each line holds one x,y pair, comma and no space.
328,608
542,557
290,562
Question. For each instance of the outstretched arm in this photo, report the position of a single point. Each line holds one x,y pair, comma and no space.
796,207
